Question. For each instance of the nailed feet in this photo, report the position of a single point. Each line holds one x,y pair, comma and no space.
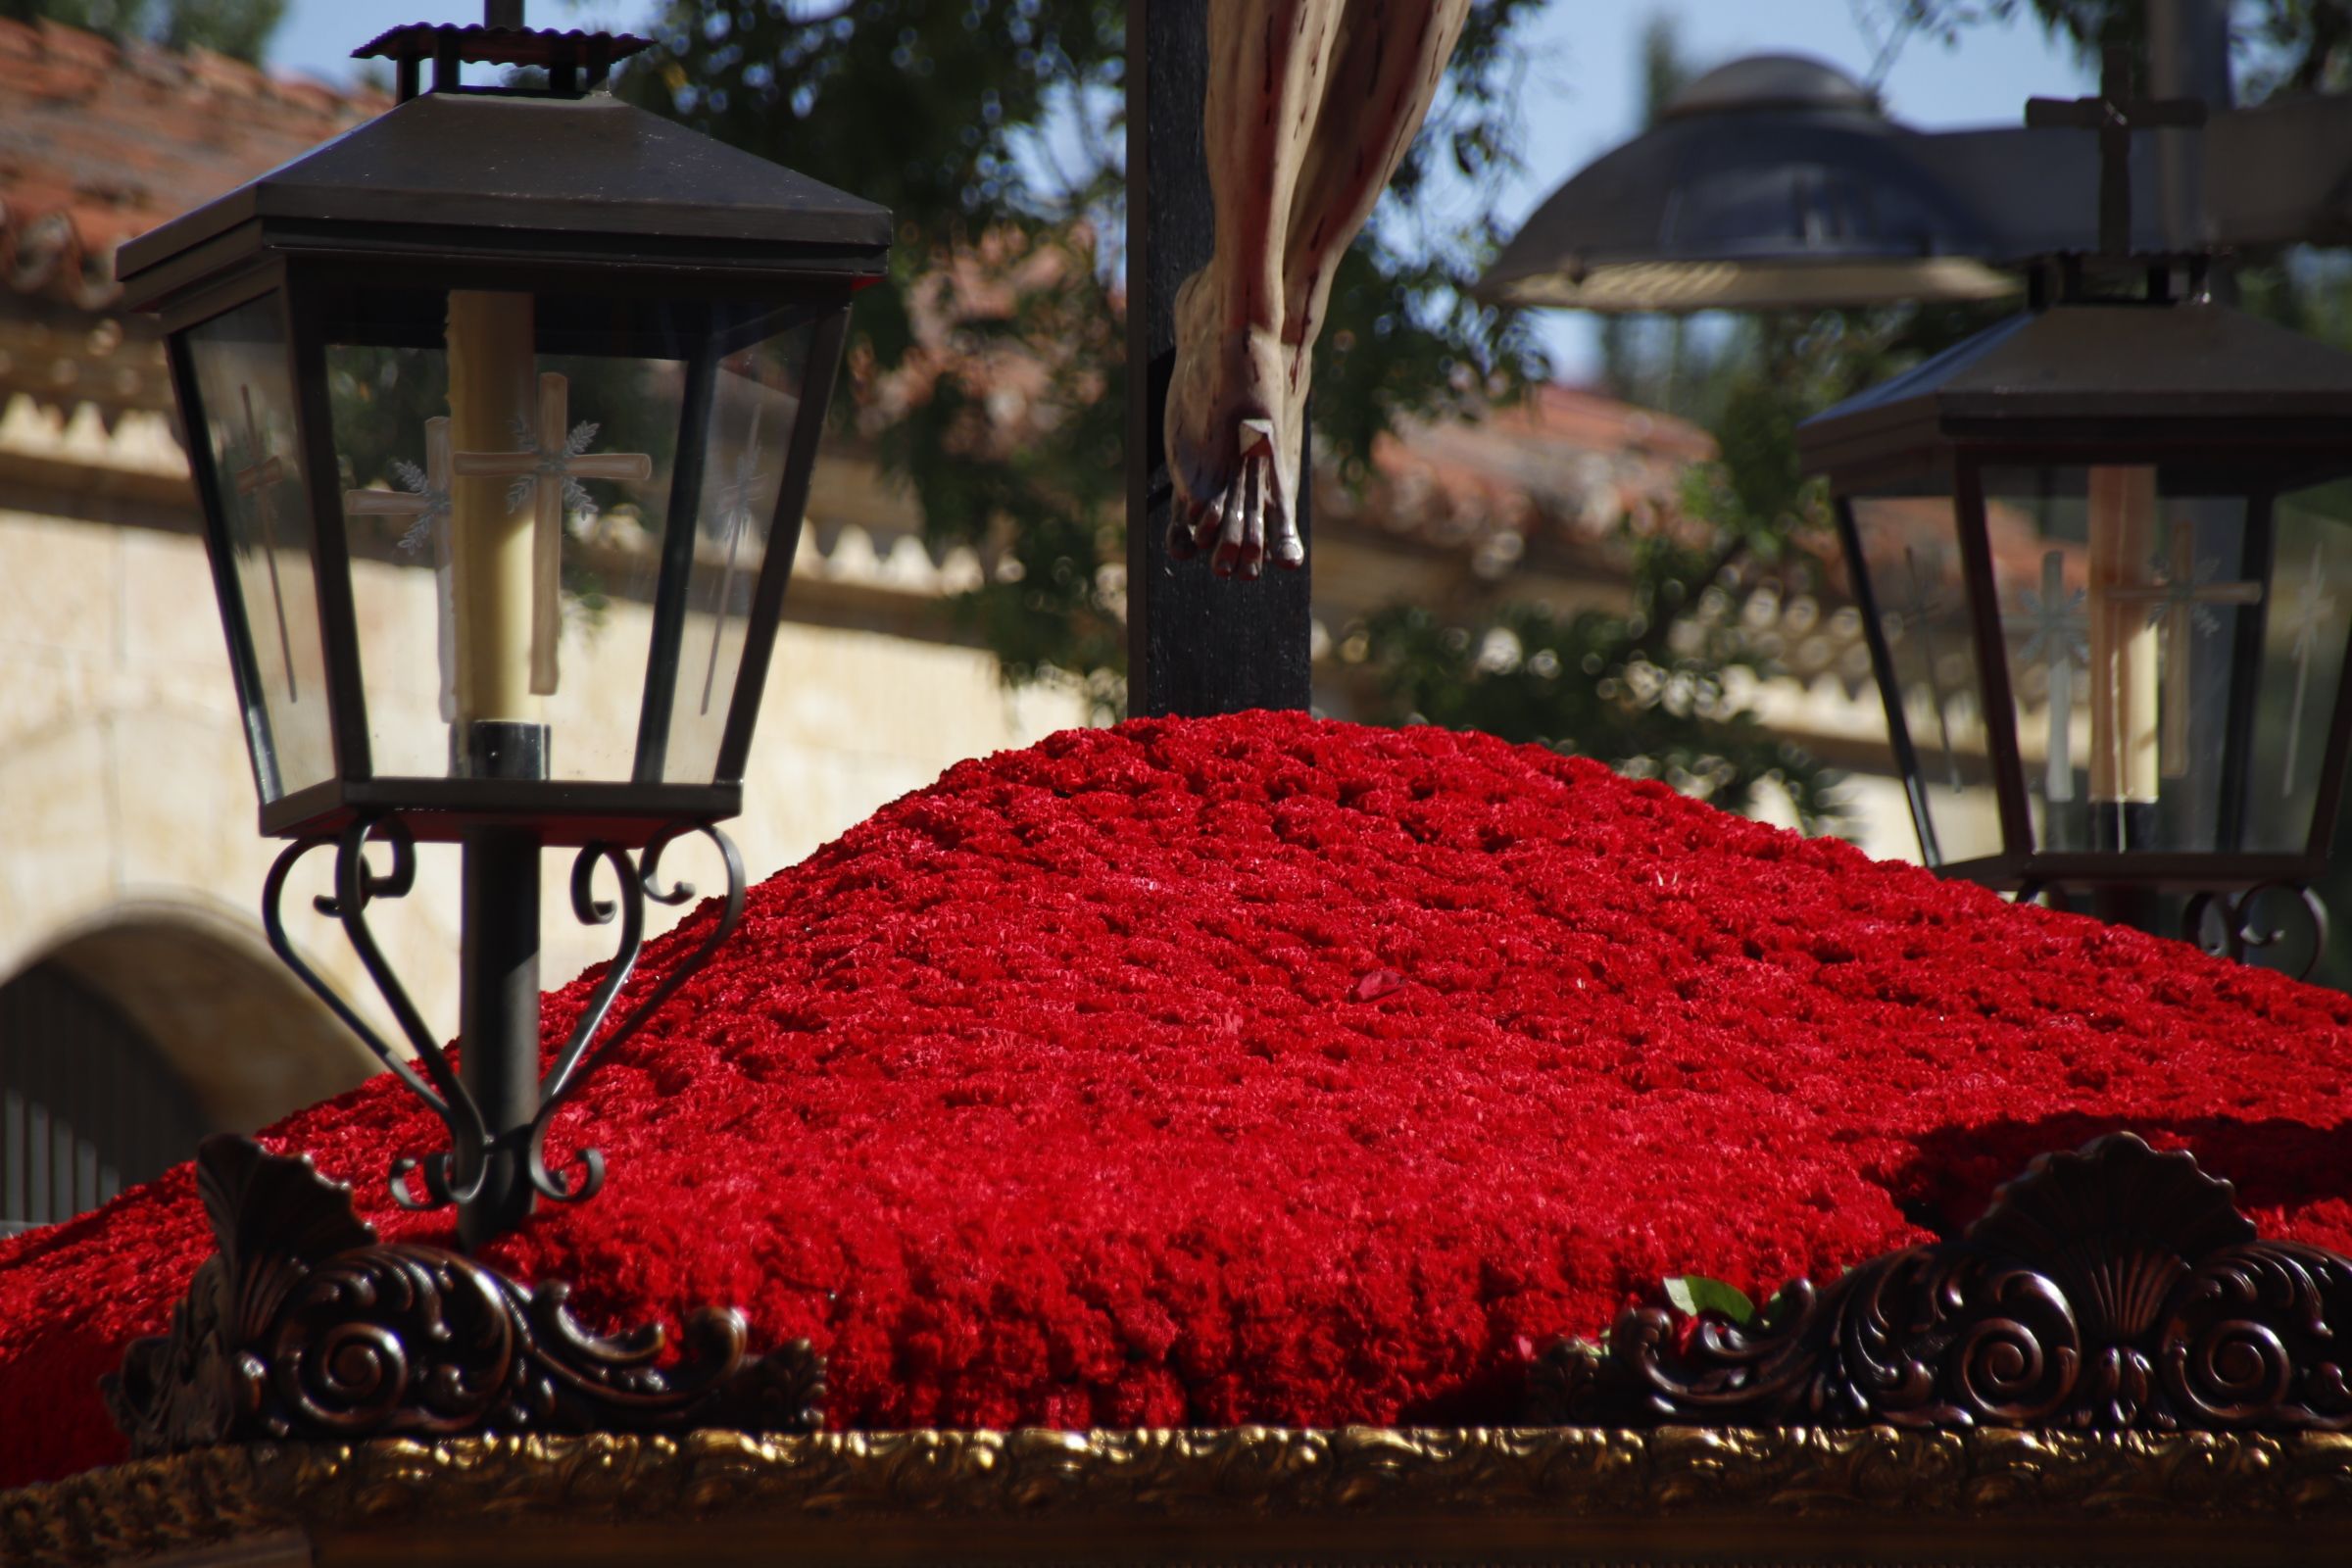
1234,416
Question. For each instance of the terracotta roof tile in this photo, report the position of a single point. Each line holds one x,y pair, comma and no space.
1566,461
101,141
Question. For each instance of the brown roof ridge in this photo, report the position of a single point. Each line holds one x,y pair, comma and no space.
153,62
103,139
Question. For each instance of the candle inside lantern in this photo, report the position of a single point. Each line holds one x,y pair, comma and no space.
492,384
2124,753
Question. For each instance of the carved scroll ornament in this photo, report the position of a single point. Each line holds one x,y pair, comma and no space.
2114,1289
303,1325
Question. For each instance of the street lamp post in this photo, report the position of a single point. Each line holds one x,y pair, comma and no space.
531,353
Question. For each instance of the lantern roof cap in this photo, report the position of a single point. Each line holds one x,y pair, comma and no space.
503,46
1771,82
2051,374
576,178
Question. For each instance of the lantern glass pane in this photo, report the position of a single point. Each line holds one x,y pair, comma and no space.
507,469
2302,664
1910,544
262,507
2128,595
755,407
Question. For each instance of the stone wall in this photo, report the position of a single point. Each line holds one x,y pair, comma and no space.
126,800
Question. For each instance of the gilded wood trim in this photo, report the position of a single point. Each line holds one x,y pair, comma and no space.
1502,1492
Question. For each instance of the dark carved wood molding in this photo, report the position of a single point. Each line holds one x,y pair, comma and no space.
2113,1288
1374,1495
303,1326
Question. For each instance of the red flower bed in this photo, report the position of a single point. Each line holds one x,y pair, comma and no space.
1267,1069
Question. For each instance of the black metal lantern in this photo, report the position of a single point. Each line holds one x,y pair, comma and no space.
499,362
2103,553
549,351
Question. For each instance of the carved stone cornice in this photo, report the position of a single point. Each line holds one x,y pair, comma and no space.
303,1325
488,1491
2112,1288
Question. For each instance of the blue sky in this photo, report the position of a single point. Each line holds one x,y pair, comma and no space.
1581,95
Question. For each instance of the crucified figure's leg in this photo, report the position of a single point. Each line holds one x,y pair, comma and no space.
1267,60
1310,107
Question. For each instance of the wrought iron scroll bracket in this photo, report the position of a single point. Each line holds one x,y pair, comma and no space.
587,1047
2240,930
2228,923
2113,1288
303,1326
2049,895
432,1076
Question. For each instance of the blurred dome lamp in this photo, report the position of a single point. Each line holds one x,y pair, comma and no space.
1773,181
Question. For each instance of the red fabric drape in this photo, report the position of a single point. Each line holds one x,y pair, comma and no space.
1268,1070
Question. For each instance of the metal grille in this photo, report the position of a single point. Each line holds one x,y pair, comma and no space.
87,1106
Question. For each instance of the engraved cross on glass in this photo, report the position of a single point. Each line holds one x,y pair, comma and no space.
548,470
735,505
2057,638
2315,614
2181,589
258,481
424,500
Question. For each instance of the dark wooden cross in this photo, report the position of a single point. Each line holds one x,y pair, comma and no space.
2115,115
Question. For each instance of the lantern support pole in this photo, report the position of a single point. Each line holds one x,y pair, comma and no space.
498,988
499,1021
494,1099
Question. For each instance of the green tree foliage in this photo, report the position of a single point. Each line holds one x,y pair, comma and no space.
1531,673
947,104
1656,692
240,29
994,127
2279,46
937,111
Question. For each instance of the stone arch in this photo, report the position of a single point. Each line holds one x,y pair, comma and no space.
87,1105
236,1026
184,1011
